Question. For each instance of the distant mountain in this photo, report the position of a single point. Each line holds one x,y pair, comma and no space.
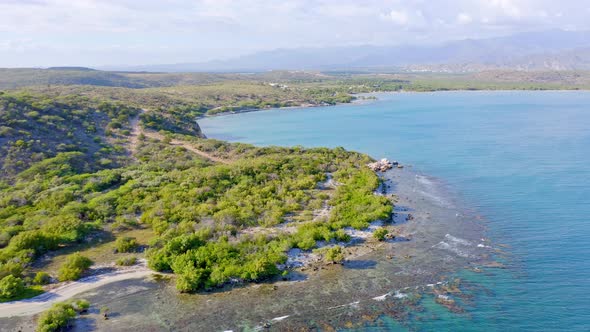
470,53
575,59
566,60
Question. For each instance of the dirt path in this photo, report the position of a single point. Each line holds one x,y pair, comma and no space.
189,147
68,290
136,131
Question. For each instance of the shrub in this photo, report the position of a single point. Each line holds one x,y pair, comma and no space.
41,278
126,244
57,318
73,267
341,236
11,268
81,305
127,261
334,255
11,286
380,234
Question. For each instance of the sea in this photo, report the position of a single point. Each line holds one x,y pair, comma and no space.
518,160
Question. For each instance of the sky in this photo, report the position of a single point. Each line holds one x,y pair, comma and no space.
41,33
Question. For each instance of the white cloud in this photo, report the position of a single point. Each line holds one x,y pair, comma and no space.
463,18
398,17
215,26
508,7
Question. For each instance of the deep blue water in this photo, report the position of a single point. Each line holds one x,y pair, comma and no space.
521,159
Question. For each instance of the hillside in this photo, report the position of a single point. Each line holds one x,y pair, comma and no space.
88,174
15,78
35,128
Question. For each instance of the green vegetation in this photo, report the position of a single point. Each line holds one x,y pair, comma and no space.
334,255
198,209
59,317
126,244
75,174
380,234
41,278
80,305
48,132
127,261
11,287
15,288
51,79
257,192
73,267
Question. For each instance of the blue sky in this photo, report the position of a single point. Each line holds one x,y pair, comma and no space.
127,32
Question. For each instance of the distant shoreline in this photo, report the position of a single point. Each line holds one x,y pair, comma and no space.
361,101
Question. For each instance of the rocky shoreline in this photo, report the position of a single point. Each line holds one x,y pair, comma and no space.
434,239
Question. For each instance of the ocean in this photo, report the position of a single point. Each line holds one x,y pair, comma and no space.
520,160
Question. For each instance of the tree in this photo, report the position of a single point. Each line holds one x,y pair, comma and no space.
11,286
73,267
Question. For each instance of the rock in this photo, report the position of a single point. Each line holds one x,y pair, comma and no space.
381,166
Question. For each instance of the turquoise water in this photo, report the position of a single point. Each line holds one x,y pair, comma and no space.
521,159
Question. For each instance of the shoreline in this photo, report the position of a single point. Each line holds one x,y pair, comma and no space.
361,101
379,278
440,240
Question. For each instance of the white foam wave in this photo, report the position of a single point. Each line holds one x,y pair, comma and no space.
452,248
399,295
458,240
382,297
423,179
278,319
435,199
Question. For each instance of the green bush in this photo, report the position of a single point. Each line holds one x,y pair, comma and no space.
11,268
127,261
11,287
380,234
354,204
57,318
41,278
73,267
334,255
126,244
81,305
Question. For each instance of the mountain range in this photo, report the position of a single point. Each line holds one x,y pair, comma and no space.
544,50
